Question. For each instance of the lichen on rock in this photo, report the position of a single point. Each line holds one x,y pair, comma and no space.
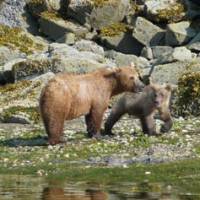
114,29
30,114
188,102
16,38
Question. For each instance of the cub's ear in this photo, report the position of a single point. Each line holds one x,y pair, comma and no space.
168,87
112,72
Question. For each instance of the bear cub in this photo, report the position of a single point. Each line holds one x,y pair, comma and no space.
144,106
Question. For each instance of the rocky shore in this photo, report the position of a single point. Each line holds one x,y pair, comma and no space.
39,38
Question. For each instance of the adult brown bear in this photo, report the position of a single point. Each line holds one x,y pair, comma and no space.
69,96
144,106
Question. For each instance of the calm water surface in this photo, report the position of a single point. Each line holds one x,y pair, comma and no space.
20,187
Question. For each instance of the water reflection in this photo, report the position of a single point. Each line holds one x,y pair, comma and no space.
37,188
59,193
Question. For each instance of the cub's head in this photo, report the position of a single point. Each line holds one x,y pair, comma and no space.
127,79
161,94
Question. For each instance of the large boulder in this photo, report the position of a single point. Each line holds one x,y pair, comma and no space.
55,27
171,72
98,14
122,42
36,7
147,33
69,59
165,10
159,51
126,59
177,54
194,44
179,33
8,54
86,45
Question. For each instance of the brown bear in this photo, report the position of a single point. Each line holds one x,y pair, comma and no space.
144,106
68,96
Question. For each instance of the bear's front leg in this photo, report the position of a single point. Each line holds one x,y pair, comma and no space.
148,125
93,122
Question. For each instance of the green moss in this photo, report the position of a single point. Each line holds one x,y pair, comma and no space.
15,38
30,67
189,94
50,15
31,112
114,29
171,14
14,87
99,3
36,2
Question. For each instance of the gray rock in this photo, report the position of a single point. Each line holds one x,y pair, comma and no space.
6,75
147,53
7,54
94,15
194,44
125,59
182,54
164,10
57,28
18,119
147,33
159,51
86,45
68,38
172,71
195,47
178,54
70,59
122,42
11,13
110,12
179,33
30,68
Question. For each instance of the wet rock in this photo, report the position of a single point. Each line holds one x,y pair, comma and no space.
147,33
93,14
179,33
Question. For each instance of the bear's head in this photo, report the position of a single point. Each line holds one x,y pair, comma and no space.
127,79
161,95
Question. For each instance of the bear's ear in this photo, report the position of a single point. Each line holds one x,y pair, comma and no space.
168,87
112,72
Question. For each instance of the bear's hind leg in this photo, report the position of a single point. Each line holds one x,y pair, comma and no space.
54,128
93,122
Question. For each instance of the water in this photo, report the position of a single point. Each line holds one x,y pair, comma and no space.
20,187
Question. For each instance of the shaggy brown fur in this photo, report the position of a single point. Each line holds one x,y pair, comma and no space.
66,97
143,106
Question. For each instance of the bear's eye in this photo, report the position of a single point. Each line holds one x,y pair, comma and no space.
131,77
